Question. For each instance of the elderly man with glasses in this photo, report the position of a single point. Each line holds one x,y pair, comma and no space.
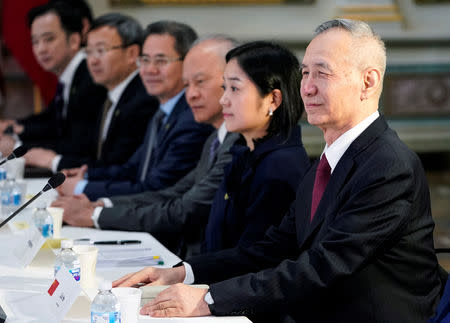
113,45
173,142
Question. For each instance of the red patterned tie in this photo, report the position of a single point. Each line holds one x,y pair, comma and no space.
323,173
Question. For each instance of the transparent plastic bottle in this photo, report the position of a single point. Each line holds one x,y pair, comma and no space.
68,258
2,186
105,307
16,194
43,220
6,198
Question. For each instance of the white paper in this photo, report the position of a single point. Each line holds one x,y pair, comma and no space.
43,307
127,257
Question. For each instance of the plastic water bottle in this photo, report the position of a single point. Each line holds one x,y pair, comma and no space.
69,259
43,220
16,194
2,185
6,198
105,307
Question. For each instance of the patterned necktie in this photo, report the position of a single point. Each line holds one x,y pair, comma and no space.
323,173
213,150
154,127
106,107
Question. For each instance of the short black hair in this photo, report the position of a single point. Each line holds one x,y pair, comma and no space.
84,9
129,30
71,21
183,34
271,66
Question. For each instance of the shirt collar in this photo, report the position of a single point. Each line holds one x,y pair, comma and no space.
168,106
221,133
66,76
341,144
115,94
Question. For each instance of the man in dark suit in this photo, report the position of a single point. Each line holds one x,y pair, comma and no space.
174,215
357,244
173,142
68,123
114,43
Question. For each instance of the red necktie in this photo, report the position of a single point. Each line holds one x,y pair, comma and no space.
323,173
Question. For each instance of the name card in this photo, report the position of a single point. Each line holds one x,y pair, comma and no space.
25,245
62,293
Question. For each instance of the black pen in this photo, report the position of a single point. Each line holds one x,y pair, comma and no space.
117,242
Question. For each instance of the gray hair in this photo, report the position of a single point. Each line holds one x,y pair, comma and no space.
129,30
227,42
362,33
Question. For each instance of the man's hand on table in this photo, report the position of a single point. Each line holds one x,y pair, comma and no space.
71,172
73,176
152,276
40,157
77,210
178,300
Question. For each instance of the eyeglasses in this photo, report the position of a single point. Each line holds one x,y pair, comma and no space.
158,61
99,51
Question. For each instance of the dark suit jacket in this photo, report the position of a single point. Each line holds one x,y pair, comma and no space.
367,256
178,147
175,215
72,135
258,188
126,130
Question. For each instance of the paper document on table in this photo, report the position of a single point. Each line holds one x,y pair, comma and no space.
127,257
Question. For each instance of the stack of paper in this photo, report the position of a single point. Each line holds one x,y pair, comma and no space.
127,257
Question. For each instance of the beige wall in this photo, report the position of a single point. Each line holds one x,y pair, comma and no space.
284,22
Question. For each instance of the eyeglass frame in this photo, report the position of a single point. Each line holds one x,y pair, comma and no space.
105,49
164,60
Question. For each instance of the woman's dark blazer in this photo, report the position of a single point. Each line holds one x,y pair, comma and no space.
256,192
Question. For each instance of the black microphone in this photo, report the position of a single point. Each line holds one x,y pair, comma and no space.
18,152
53,182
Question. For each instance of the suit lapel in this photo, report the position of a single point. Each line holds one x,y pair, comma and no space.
338,179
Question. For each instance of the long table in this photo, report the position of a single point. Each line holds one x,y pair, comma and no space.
37,277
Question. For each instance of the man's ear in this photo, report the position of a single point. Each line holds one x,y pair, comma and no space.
371,83
133,52
75,41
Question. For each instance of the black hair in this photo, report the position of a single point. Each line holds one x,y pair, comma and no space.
183,34
84,9
71,21
271,66
129,30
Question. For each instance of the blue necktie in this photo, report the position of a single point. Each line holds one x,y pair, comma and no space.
213,150
154,127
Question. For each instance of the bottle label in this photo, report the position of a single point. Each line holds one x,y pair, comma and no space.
16,198
110,317
5,198
75,271
47,230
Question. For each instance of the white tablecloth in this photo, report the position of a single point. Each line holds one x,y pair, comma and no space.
36,278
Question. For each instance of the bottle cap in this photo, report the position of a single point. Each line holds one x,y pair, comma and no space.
66,244
105,285
41,204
